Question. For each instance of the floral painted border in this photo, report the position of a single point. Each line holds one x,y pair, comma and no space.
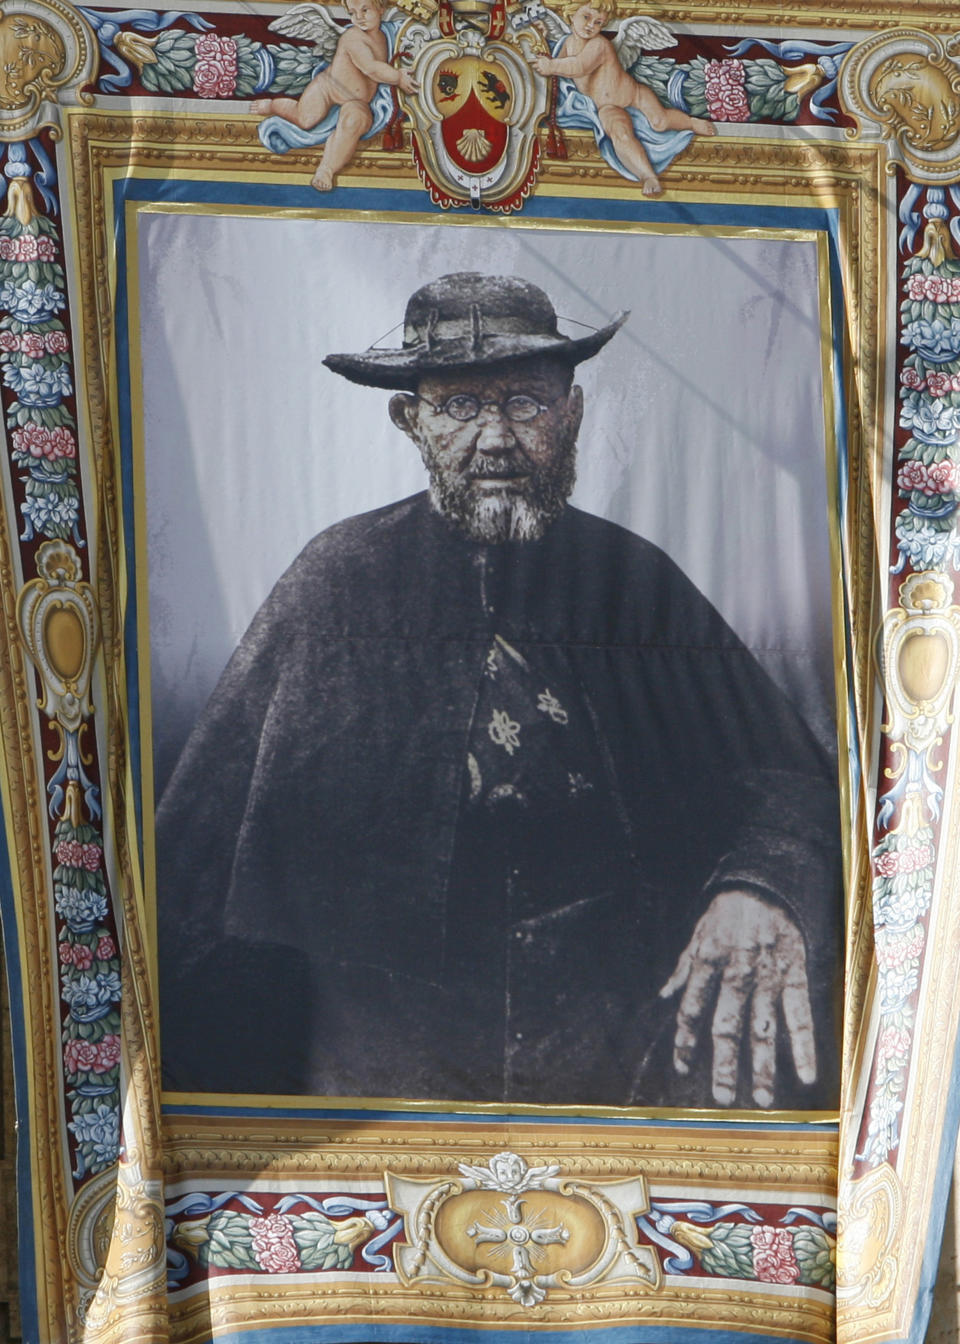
174,52
926,542
764,1244
234,1232
39,409
277,1234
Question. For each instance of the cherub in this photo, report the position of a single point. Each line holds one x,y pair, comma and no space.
596,66
358,62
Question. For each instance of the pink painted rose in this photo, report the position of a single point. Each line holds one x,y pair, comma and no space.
8,249
910,378
273,1244
66,954
773,1257
925,852
723,88
954,288
942,476
215,71
912,476
27,249
106,948
917,287
886,863
939,383
31,344
913,942
208,44
62,444
56,342
82,956
891,952
108,1053
9,342
32,439
91,857
69,852
893,1046
46,249
79,1056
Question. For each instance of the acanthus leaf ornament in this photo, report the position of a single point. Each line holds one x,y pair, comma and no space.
47,55
906,84
871,1214
521,1230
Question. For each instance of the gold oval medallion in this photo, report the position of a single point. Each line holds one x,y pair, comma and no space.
922,664
64,641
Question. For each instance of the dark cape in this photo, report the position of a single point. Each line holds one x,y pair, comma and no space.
342,910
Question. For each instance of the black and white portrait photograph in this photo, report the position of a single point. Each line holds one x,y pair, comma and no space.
491,698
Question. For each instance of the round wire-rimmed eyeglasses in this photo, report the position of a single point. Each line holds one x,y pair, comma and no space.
520,408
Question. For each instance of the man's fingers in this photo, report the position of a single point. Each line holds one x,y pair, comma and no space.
695,997
728,1024
763,1043
799,1018
681,973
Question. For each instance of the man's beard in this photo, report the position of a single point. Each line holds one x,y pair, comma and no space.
520,511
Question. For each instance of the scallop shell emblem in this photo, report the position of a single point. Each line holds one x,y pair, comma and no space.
473,145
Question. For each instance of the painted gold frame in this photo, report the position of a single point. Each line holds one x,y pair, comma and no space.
110,1282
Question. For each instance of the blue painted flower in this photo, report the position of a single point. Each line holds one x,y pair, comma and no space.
883,1130
29,302
51,514
101,1129
80,910
91,991
35,385
897,905
936,341
931,421
925,545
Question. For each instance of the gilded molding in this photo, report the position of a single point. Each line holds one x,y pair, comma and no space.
848,177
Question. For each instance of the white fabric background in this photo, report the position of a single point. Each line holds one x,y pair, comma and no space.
703,427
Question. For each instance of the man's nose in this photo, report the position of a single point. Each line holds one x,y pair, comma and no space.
496,433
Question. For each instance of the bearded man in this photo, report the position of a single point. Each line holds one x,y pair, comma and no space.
490,803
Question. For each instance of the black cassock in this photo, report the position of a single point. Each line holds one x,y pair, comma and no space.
454,810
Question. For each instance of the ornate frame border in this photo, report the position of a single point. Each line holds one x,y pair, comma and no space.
110,1283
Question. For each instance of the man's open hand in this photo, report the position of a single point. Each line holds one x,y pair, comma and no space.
756,952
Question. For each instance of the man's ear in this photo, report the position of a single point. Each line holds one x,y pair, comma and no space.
403,409
575,408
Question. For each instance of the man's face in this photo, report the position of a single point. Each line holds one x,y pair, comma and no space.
497,476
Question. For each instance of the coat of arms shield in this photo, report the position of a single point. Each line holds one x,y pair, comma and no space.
475,117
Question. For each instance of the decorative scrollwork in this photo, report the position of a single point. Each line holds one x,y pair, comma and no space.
525,1230
906,84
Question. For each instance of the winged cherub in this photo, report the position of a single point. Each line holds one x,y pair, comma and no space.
600,68
358,61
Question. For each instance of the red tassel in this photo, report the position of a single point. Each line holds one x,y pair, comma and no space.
556,146
392,137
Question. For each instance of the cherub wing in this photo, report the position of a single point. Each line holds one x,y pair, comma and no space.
638,34
536,12
312,22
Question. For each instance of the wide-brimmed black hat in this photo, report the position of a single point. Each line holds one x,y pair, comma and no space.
468,320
